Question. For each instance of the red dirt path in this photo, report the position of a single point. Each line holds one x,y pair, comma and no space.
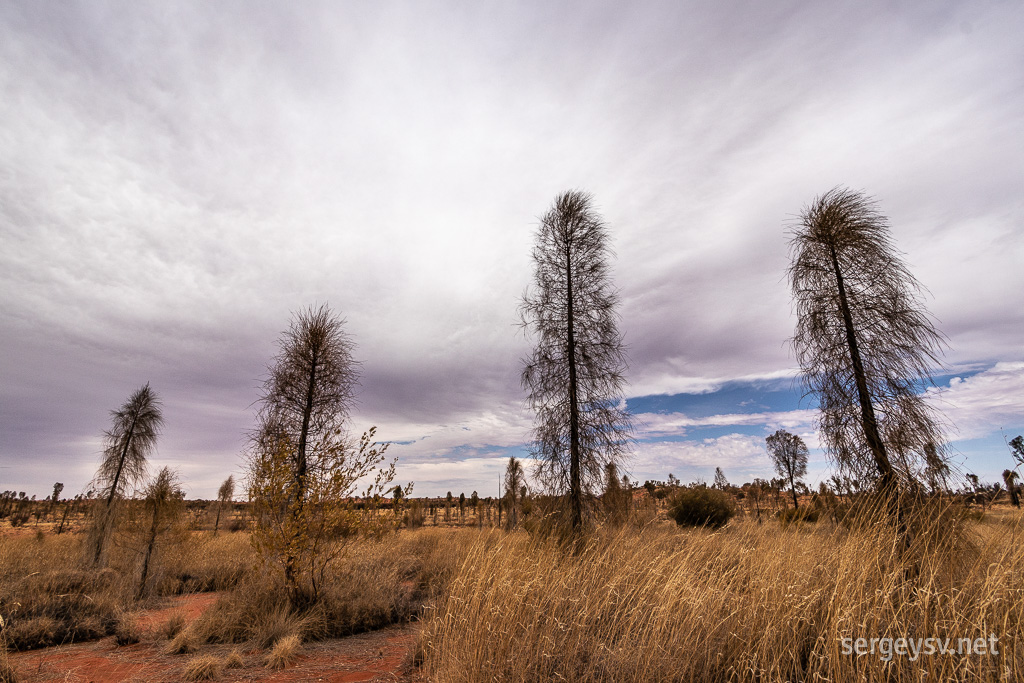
378,656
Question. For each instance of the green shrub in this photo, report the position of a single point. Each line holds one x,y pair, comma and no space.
700,506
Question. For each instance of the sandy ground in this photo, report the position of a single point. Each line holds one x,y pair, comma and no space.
382,655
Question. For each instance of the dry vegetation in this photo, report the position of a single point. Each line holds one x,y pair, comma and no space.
50,596
750,602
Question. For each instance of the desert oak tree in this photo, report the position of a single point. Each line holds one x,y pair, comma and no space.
575,375
303,469
127,444
864,341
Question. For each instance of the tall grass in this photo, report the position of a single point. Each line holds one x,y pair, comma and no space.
747,603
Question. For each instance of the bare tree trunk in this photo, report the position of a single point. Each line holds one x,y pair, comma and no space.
104,520
870,423
60,527
300,475
149,550
575,487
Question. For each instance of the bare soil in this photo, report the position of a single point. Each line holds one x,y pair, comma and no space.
383,655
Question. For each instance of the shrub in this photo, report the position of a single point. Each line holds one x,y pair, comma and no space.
202,668
798,515
700,506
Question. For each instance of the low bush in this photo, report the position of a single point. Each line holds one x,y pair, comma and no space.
47,597
8,674
700,506
174,625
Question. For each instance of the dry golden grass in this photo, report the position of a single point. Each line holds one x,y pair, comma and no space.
284,652
747,603
234,660
174,625
185,643
126,629
202,668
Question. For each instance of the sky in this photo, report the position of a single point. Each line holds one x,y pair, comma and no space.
176,179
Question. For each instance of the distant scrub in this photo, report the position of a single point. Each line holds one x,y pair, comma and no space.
700,506
798,515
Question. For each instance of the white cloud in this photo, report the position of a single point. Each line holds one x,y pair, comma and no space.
983,403
653,425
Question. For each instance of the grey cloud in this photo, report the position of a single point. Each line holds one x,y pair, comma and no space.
176,179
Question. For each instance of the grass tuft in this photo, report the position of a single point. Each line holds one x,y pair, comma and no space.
202,668
234,660
185,643
126,631
174,625
284,652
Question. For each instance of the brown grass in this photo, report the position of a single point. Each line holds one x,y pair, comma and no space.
185,643
377,584
284,652
748,603
202,668
50,595
234,660
173,625
126,630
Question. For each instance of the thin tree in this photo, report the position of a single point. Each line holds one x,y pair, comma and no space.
164,499
1016,446
127,445
721,482
55,497
575,376
864,341
514,480
789,455
224,496
306,400
1010,479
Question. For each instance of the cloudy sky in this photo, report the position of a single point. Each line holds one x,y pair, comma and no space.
177,178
